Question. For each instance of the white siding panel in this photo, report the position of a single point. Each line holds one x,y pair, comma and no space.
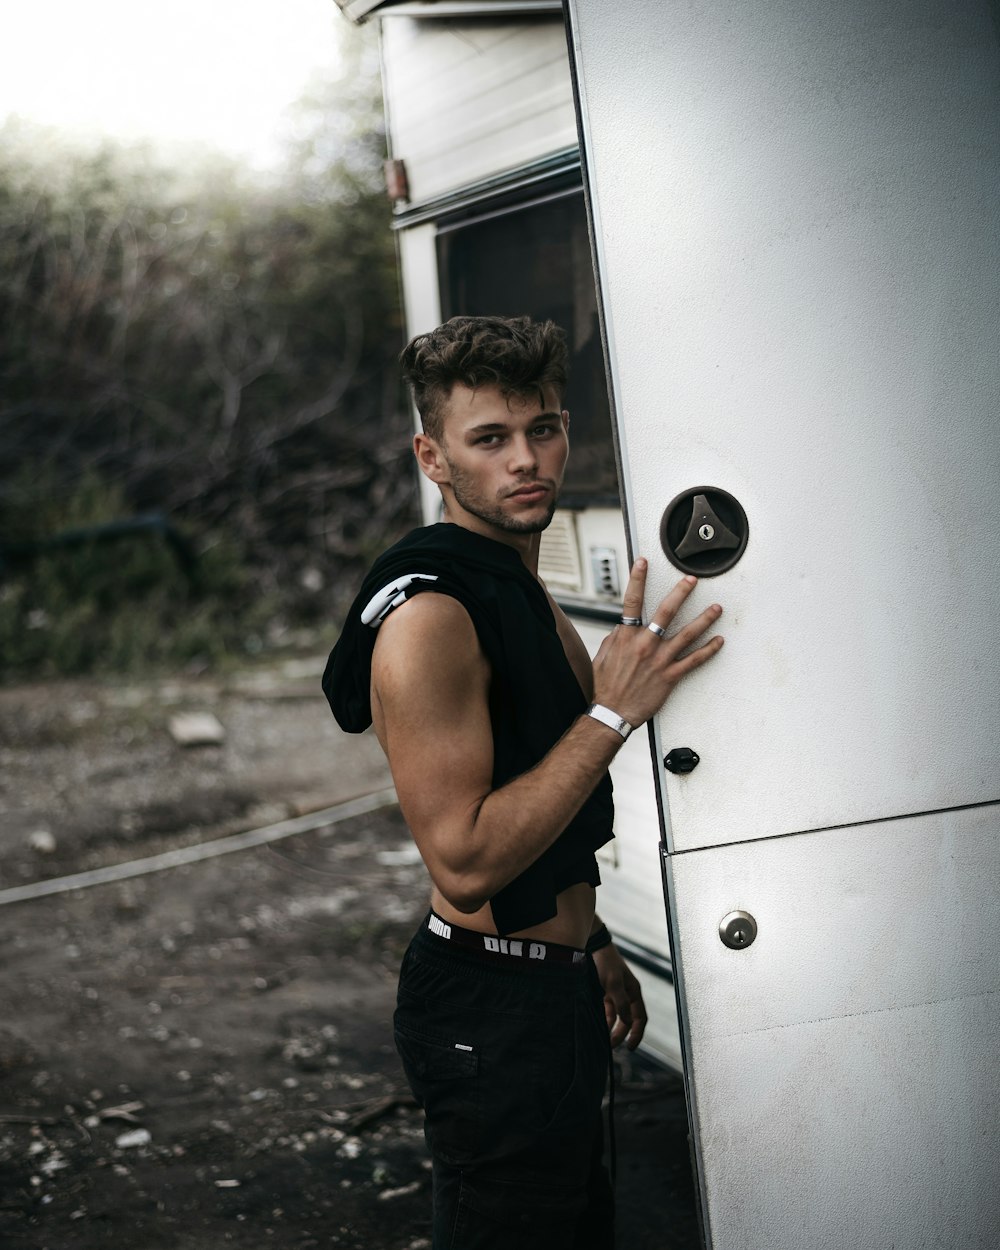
467,100
418,263
422,308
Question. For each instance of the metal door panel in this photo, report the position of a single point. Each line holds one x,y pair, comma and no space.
844,1067
797,232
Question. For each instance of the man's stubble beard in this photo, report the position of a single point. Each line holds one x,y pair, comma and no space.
493,514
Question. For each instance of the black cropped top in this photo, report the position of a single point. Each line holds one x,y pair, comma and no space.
534,693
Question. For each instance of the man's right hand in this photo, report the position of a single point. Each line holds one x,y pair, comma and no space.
635,670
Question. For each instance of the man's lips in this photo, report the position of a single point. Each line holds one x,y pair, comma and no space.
530,494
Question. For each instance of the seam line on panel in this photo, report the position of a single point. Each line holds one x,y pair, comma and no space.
847,824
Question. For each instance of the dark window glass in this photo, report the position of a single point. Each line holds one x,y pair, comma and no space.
535,260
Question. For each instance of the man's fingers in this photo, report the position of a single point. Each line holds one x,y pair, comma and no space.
638,1013
668,607
627,1024
620,1014
619,1020
634,591
697,658
635,1034
691,632
671,604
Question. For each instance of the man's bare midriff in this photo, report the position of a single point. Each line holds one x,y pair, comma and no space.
570,926
575,907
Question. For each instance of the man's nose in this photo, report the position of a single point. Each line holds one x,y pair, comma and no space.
523,457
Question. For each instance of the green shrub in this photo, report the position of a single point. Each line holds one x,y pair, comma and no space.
116,605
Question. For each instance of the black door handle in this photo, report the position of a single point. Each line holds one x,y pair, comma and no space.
704,531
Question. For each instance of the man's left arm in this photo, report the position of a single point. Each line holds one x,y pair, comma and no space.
623,1006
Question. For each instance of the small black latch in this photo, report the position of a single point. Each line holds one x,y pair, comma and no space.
681,760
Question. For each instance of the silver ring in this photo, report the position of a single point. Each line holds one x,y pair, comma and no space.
630,620
658,630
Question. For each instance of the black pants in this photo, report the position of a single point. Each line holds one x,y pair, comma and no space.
509,1060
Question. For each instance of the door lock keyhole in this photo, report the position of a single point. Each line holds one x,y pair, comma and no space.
738,930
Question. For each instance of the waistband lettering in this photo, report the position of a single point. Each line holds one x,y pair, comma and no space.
503,946
439,927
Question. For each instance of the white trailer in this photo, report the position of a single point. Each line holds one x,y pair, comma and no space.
794,222
482,121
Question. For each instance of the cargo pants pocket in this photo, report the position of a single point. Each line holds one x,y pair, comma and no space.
443,1075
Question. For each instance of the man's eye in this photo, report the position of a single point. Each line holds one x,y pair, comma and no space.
540,431
487,440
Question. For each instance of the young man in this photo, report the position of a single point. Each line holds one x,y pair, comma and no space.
499,732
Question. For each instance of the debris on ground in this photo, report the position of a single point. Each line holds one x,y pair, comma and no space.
42,841
196,729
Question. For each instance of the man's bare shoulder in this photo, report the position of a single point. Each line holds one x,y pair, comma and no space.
429,694
427,641
427,615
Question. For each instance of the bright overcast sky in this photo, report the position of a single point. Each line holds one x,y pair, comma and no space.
216,71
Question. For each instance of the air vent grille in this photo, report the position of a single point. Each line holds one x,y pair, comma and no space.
559,554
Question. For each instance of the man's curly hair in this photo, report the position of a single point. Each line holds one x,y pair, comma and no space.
515,354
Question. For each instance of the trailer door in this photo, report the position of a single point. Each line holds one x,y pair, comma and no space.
795,217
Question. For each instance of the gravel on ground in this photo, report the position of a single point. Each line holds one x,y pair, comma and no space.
202,1056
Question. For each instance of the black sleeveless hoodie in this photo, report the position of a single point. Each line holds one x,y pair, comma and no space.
534,693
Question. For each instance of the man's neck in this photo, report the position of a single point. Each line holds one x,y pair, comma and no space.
526,545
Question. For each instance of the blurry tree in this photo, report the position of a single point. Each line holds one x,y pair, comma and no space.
212,346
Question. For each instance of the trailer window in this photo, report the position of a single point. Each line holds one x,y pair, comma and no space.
535,259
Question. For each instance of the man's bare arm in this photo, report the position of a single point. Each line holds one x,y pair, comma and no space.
431,688
430,684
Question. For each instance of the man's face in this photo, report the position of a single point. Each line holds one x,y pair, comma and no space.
502,458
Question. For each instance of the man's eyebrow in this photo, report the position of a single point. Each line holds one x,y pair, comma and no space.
488,427
494,427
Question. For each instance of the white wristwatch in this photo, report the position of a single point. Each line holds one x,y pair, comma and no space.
613,721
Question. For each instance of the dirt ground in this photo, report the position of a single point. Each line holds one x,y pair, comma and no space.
202,1055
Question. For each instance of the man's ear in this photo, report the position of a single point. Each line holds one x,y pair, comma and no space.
565,420
430,458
